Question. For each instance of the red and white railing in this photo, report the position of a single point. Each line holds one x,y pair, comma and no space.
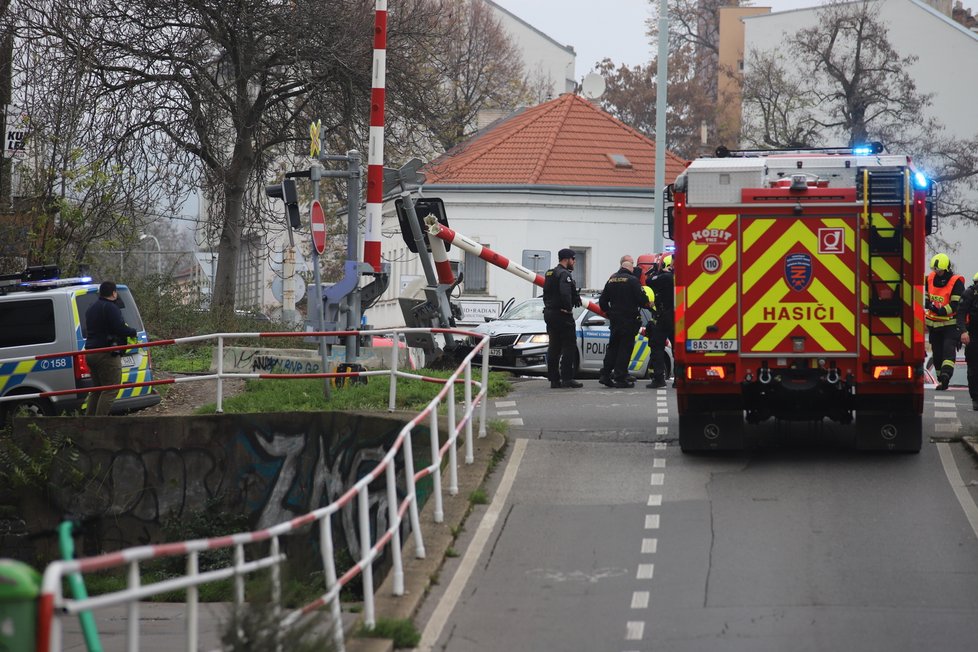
55,606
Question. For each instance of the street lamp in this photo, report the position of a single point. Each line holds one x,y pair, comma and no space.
159,252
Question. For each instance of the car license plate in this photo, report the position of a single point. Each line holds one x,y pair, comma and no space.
495,353
129,361
711,346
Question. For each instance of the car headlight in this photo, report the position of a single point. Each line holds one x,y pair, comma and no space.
535,338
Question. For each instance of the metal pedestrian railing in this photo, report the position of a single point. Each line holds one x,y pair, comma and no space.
54,606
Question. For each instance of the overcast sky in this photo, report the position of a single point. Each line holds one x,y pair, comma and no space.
610,28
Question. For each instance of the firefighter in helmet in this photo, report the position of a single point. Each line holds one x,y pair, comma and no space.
967,319
663,285
943,294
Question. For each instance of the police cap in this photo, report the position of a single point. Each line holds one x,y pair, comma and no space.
566,253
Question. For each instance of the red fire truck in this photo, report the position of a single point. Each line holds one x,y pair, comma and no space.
799,294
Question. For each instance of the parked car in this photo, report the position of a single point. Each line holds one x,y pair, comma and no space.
45,315
958,379
518,342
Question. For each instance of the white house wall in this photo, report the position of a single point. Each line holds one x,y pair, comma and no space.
543,57
606,224
947,53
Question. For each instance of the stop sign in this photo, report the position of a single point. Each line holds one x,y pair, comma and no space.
318,223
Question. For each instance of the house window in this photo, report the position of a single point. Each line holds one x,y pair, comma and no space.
476,274
580,267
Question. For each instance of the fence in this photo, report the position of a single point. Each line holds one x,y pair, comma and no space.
54,605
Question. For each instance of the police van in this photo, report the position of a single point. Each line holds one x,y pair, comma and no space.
41,314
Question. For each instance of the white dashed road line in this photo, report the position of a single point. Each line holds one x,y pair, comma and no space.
635,629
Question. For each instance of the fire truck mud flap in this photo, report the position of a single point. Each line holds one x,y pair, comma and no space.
711,431
898,432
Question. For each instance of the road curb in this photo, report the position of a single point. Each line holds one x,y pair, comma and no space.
419,574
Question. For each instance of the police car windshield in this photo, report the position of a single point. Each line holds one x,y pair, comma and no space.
531,309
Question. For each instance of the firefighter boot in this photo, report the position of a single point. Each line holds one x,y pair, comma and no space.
657,382
974,406
943,379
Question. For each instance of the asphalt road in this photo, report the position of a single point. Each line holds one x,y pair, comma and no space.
602,535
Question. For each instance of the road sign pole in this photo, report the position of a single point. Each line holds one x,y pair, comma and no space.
315,174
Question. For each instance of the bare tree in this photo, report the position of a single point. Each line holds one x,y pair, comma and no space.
694,45
224,86
479,68
630,96
847,81
222,91
84,184
780,113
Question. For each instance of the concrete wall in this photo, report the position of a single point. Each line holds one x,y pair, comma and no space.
140,471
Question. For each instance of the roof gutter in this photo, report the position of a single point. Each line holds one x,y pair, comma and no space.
537,189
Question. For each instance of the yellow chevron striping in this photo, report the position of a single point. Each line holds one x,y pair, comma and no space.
798,233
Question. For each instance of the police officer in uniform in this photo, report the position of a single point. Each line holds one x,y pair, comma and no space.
664,328
944,290
967,319
621,299
106,327
560,297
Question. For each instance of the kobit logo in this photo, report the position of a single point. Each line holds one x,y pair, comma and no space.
712,236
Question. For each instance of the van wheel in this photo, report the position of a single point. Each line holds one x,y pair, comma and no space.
32,407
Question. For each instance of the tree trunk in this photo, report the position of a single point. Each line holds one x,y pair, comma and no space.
222,294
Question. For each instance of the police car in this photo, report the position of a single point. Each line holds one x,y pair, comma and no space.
518,342
40,314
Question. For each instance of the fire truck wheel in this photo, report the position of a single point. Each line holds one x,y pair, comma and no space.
887,431
711,431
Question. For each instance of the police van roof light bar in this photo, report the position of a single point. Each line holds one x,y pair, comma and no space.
857,150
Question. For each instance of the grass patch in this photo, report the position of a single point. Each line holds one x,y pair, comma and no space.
400,630
451,552
478,497
306,395
182,359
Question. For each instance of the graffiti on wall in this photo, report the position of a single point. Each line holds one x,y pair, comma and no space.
294,474
267,469
264,361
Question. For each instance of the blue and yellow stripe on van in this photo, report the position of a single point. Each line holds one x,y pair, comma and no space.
14,373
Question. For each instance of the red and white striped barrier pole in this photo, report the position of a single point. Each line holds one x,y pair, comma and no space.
485,253
440,255
375,143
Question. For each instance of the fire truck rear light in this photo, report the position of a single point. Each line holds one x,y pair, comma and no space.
701,372
902,372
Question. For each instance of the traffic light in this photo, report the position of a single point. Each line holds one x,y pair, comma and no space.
423,207
287,192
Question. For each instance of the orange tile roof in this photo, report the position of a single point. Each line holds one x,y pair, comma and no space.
564,142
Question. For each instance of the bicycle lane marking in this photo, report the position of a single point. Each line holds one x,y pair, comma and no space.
453,593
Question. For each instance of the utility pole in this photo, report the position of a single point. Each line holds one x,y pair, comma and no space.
661,82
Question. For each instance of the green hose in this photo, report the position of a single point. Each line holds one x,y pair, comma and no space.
77,584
